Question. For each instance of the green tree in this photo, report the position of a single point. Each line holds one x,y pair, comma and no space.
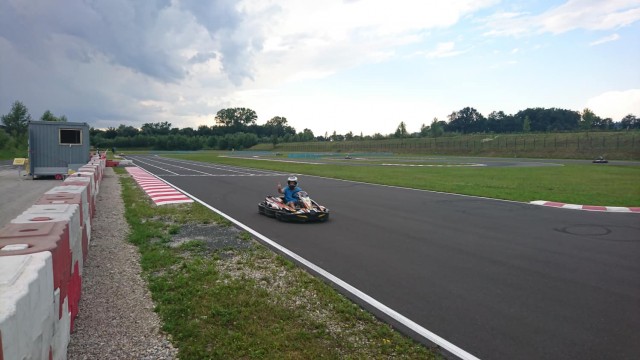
334,136
349,135
204,130
424,130
630,122
526,124
160,128
212,141
16,121
48,116
236,117
437,128
401,131
307,135
278,126
467,120
588,118
127,130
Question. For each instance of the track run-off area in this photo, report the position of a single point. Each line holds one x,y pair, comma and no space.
481,278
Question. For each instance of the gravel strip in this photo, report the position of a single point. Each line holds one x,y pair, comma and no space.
116,318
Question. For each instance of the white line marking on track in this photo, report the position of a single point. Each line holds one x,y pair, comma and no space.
227,175
275,160
182,167
209,165
158,167
460,353
254,172
435,165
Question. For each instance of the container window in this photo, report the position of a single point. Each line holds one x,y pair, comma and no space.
71,136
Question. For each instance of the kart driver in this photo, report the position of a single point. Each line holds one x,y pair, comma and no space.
290,192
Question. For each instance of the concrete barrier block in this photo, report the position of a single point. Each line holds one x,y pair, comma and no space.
82,181
74,189
27,318
54,213
67,198
52,237
68,214
95,183
89,175
94,169
61,329
93,190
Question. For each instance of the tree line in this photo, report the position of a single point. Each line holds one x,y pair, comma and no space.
234,128
469,120
237,128
13,128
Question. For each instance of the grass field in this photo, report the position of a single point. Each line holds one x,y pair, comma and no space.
586,184
11,154
623,145
224,296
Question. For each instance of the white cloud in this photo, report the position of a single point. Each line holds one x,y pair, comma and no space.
572,15
446,49
615,104
606,39
181,60
591,15
319,38
112,62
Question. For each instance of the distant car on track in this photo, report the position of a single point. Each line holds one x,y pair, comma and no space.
600,160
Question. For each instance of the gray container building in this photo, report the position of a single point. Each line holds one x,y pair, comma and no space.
57,147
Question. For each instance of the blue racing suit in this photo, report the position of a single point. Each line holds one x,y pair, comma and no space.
290,195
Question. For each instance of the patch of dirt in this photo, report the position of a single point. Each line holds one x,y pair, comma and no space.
215,237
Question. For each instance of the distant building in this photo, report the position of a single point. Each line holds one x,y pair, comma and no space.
57,147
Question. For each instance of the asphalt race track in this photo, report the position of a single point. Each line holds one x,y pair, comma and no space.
499,279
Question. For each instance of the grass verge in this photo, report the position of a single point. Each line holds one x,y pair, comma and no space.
587,184
221,295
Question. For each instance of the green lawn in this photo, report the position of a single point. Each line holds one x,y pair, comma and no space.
578,145
586,184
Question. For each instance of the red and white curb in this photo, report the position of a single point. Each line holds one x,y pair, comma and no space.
159,191
618,209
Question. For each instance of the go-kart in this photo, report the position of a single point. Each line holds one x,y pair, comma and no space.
306,210
600,160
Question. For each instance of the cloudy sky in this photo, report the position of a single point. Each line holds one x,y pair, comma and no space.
330,65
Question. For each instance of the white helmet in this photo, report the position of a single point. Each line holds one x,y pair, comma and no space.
292,178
